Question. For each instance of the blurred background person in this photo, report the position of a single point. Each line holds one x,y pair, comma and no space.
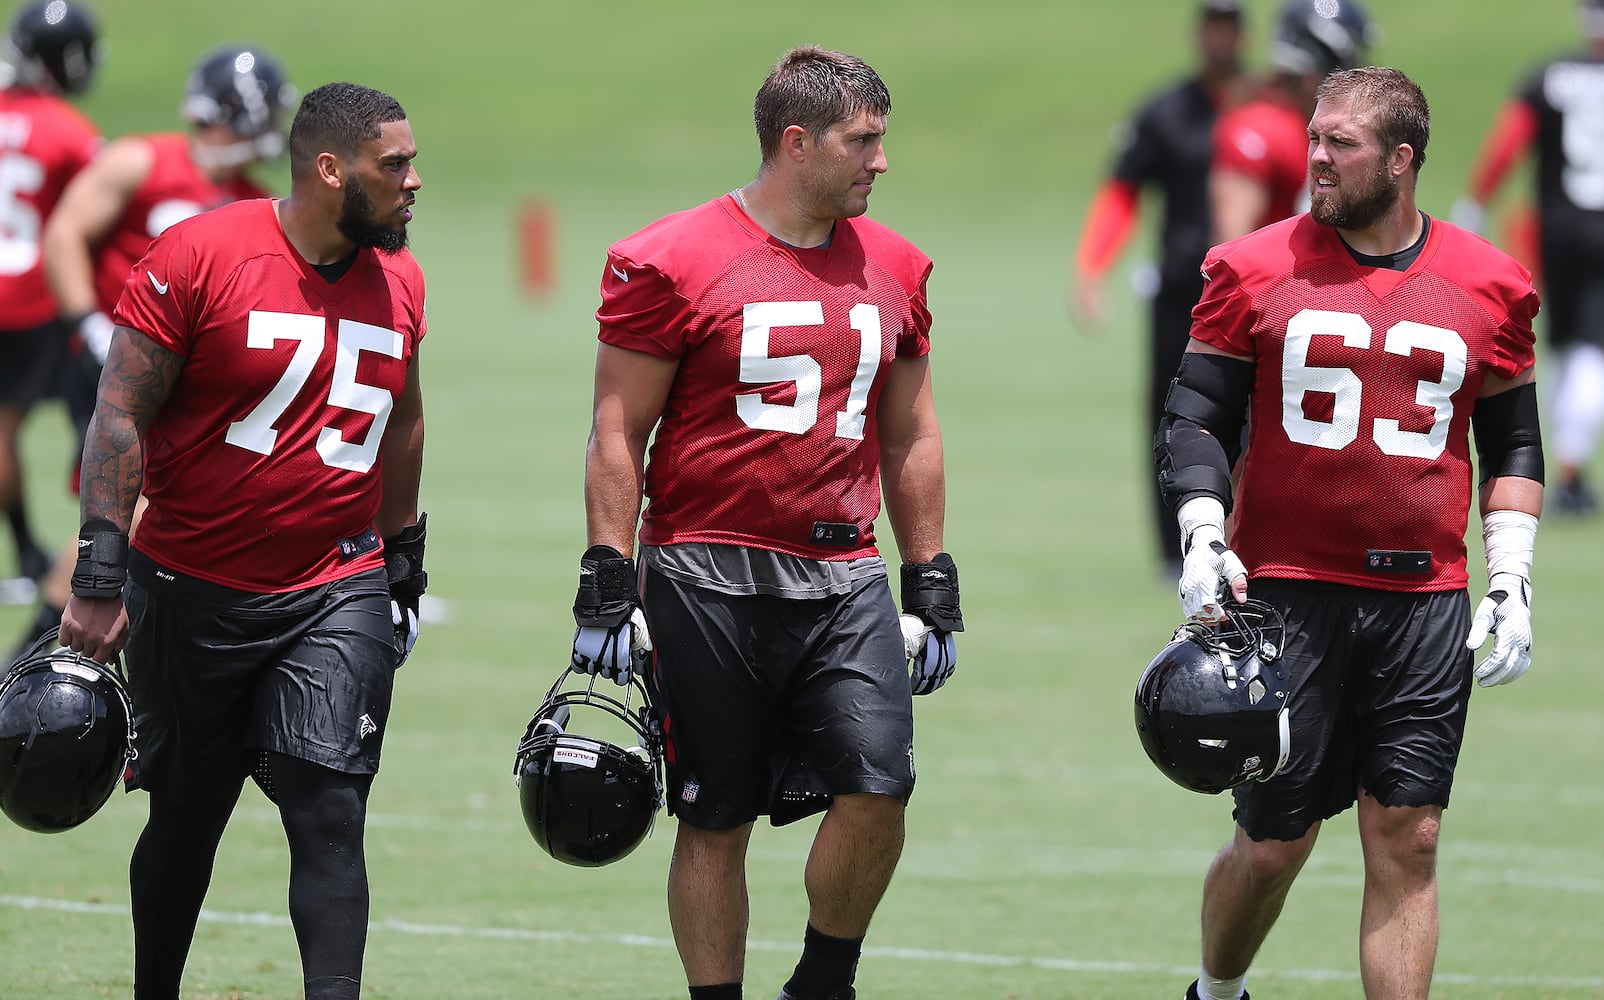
50,53
234,102
1165,145
1559,109
1261,148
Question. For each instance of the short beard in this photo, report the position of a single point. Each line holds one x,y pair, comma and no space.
1360,210
357,225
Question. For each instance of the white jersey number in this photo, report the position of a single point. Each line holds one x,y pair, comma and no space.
255,432
1298,378
19,220
758,367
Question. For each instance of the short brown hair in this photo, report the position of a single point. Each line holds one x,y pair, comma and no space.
1398,110
814,88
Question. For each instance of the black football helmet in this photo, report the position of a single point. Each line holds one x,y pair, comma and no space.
586,800
1315,37
52,45
1211,709
243,87
66,737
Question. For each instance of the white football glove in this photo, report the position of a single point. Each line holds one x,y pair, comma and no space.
932,652
612,652
1506,613
405,621
1208,568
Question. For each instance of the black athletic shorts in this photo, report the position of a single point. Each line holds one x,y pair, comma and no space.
771,705
216,673
1380,689
1573,293
29,363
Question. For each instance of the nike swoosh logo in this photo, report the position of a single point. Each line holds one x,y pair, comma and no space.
160,286
622,274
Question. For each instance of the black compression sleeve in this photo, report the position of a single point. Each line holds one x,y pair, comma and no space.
1509,438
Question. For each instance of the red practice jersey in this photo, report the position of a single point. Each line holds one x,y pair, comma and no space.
267,453
1365,381
1267,141
174,190
769,427
43,142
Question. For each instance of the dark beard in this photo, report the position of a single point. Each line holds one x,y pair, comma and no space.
357,225
1359,210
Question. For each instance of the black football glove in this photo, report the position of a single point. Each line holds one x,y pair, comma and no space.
610,633
930,616
403,567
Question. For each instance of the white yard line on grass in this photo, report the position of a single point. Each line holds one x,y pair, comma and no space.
908,954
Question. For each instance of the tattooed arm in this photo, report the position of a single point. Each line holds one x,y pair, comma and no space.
138,377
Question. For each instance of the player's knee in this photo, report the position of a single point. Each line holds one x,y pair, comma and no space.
1271,864
1403,837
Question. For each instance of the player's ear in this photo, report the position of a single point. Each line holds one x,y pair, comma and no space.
795,142
1403,157
330,170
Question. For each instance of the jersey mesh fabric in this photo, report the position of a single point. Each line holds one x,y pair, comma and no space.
44,141
1365,382
173,190
240,495
768,427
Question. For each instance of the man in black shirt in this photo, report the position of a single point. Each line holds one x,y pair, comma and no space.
1165,145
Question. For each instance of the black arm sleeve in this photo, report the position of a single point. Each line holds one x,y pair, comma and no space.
1199,436
1509,438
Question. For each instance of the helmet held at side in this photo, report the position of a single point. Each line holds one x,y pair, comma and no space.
1211,707
53,45
587,800
66,737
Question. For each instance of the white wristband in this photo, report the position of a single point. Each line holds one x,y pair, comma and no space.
1509,537
1200,512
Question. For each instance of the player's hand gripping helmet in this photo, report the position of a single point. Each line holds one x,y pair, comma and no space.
243,87
1211,708
66,736
586,800
52,45
1315,37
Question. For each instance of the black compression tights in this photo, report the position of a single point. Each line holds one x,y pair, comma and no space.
323,812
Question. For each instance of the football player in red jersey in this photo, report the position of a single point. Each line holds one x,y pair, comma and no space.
1362,342
1259,169
50,53
234,101
262,389
777,342
1167,146
1560,110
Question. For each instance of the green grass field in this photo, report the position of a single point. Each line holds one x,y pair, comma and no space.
1046,858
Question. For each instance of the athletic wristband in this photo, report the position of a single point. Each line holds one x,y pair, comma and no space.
102,565
607,588
403,558
930,592
1198,513
1509,536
